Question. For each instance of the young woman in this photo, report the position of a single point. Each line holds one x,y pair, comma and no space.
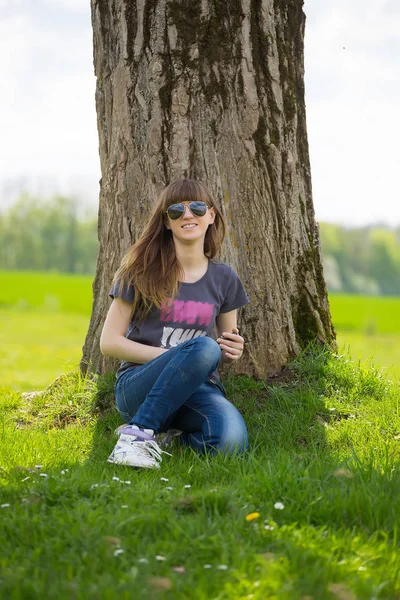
168,295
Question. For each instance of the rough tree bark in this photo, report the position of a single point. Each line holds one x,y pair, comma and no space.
214,90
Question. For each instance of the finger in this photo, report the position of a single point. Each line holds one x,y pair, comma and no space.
232,336
232,344
231,356
231,350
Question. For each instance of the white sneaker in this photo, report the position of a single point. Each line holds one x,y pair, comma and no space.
136,448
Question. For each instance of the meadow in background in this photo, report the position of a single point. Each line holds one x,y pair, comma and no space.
45,318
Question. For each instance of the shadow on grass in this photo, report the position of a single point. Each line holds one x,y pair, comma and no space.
290,455
284,412
289,412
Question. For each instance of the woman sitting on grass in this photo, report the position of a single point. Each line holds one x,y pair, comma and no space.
168,294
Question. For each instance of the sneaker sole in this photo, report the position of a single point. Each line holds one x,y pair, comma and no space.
126,463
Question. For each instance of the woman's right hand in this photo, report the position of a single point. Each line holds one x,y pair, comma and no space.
232,345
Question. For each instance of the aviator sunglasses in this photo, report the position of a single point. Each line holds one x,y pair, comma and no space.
197,208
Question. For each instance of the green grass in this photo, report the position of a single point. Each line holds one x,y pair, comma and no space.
382,351
49,292
366,314
325,445
369,329
44,319
36,346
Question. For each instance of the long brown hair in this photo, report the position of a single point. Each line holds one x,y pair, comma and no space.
151,265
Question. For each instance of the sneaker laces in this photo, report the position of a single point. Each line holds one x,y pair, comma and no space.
147,448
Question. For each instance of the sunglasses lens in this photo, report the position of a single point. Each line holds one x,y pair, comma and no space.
175,211
198,208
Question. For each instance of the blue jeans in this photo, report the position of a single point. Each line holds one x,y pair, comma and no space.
173,391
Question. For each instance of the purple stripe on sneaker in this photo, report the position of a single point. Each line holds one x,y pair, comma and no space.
139,433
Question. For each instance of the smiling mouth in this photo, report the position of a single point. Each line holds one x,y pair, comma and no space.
192,226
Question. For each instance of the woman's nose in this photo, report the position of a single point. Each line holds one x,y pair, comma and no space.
187,212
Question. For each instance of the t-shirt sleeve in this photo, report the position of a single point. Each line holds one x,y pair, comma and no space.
126,293
235,294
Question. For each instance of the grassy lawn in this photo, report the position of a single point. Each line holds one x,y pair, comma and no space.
51,292
44,318
325,446
36,346
311,511
381,351
367,314
368,328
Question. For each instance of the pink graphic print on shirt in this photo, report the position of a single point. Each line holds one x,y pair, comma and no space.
187,313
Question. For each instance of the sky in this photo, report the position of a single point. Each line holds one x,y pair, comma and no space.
48,127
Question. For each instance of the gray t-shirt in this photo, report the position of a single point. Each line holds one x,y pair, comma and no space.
190,314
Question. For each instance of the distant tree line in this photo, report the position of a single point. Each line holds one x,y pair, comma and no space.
363,260
48,234
58,234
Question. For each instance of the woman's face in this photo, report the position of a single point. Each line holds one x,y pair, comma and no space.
189,226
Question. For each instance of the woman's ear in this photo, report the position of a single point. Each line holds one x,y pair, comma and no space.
212,213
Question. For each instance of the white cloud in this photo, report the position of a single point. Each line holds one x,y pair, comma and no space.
352,94
78,6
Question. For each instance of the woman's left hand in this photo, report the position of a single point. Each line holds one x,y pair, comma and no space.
232,345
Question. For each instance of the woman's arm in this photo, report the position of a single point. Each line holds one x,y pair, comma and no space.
229,339
113,341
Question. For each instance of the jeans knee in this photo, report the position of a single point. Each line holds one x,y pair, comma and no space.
208,351
234,442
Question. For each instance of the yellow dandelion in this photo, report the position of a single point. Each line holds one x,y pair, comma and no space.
252,516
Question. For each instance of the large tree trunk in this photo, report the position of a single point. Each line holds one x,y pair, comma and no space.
213,90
